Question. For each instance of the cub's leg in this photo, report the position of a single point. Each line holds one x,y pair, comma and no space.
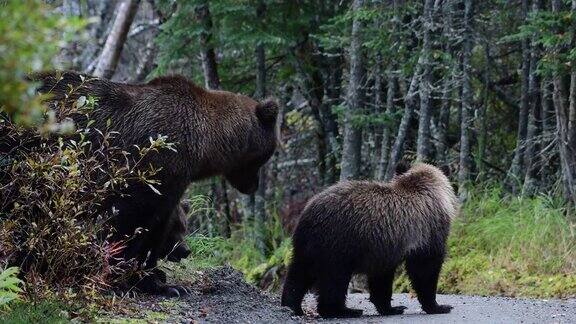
297,283
423,270
332,289
380,286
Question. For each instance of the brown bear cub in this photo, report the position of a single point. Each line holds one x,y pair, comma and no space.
369,227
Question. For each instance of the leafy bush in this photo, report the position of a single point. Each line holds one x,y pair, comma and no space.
52,222
9,286
46,311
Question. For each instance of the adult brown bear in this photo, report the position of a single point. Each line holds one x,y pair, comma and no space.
216,133
370,228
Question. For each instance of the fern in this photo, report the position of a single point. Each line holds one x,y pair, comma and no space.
9,285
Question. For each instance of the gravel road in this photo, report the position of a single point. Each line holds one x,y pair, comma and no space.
222,296
467,309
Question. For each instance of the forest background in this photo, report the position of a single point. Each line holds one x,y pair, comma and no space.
485,87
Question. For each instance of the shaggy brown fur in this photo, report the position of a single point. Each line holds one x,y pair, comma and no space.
370,228
216,133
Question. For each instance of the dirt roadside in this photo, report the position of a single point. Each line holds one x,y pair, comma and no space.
222,296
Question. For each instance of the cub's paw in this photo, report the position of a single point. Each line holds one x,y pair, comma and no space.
438,309
395,310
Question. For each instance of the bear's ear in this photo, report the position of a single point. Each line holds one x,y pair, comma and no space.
445,168
267,112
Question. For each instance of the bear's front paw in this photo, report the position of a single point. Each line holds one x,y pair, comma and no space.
438,309
396,310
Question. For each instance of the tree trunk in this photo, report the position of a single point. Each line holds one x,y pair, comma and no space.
207,53
410,103
105,12
561,106
517,166
146,66
481,131
531,179
379,109
388,128
115,42
313,90
466,122
260,197
351,151
333,85
423,141
450,78
444,120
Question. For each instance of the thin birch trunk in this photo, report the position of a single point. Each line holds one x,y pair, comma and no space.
387,130
351,151
423,141
410,103
260,197
516,172
115,42
466,121
531,179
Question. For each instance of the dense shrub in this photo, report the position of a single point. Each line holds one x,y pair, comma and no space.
52,224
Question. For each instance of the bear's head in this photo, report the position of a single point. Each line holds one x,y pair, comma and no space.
259,145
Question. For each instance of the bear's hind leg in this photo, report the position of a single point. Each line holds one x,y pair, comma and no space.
332,290
297,283
380,286
423,271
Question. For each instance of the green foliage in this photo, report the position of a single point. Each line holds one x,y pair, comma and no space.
53,187
510,246
48,311
10,286
243,251
30,36
208,252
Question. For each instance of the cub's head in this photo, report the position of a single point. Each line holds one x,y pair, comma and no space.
260,144
175,248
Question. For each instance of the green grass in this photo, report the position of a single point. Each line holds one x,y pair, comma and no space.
29,312
511,246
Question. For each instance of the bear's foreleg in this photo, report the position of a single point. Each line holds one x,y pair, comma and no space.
380,286
423,270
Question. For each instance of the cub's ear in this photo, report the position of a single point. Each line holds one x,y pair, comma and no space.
267,112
